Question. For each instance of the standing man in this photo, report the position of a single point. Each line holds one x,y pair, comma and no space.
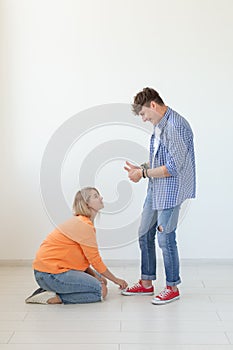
171,174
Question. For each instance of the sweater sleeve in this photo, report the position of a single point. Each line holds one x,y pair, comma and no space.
94,258
84,234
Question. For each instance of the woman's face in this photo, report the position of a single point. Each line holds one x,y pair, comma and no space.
95,201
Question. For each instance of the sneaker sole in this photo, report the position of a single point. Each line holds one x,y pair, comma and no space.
129,293
162,302
40,298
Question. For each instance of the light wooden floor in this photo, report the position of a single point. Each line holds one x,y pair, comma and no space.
201,320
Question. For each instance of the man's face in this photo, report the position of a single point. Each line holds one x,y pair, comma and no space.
149,114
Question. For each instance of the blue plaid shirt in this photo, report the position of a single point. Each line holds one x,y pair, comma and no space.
176,152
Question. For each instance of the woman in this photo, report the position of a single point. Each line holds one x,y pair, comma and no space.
62,266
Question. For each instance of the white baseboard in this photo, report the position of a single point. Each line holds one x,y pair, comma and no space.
15,262
123,263
183,262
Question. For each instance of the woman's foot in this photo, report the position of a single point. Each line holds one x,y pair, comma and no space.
41,296
104,290
54,300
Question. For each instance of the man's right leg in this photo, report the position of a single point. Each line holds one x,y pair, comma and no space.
147,232
148,256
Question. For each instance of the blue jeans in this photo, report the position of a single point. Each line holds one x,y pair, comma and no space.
164,224
73,287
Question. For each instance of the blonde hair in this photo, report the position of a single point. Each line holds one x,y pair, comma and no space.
81,199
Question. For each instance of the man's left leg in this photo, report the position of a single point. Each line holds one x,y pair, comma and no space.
166,231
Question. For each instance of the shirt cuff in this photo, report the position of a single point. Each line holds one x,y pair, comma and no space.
172,171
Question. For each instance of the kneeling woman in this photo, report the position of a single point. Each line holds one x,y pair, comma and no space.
62,266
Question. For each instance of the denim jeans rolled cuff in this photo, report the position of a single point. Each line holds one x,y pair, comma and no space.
72,287
148,277
172,284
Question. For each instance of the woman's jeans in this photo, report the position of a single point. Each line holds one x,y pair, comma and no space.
164,224
72,287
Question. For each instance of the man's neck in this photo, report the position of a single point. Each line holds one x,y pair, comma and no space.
162,110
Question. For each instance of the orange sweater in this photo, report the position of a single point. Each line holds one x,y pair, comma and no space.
70,246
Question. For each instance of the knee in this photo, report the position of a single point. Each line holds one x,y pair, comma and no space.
104,290
166,239
162,237
160,228
143,240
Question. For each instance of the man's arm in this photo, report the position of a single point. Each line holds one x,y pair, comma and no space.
159,172
135,174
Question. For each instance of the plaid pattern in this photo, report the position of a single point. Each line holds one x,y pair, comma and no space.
176,152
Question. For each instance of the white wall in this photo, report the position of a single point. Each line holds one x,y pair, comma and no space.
59,58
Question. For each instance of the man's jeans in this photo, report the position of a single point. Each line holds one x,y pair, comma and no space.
164,224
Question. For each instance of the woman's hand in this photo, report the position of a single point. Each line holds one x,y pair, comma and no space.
123,284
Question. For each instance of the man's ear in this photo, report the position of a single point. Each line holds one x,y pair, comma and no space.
153,105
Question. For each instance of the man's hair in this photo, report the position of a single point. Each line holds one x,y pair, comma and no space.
144,98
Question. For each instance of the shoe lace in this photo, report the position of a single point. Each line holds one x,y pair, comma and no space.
164,293
135,286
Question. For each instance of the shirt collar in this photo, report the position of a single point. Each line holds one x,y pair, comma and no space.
164,120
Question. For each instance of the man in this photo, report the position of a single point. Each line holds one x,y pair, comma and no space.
171,173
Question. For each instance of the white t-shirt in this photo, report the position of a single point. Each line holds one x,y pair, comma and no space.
157,133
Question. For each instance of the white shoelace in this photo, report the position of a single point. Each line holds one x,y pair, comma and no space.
164,293
137,285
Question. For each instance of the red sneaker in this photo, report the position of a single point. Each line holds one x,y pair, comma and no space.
138,289
166,296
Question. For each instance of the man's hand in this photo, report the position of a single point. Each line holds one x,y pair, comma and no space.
134,172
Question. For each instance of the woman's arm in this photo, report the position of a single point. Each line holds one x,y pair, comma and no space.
108,274
91,272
